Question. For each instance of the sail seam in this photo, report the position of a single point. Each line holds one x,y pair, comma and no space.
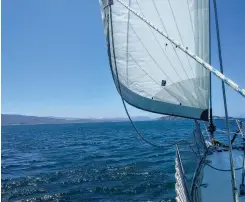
128,38
171,63
153,59
171,43
197,93
181,39
192,28
173,94
137,86
140,67
148,52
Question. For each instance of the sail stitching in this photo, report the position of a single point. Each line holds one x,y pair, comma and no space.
149,52
131,82
181,40
128,38
152,57
167,34
197,93
173,94
172,63
191,21
140,67
136,85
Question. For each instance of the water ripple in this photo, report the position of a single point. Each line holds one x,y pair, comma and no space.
89,162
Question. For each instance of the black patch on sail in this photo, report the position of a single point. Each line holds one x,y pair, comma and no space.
164,82
204,115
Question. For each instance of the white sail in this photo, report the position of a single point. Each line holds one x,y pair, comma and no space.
153,74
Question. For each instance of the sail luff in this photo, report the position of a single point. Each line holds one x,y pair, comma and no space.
221,76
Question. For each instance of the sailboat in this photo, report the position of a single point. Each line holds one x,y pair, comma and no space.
160,60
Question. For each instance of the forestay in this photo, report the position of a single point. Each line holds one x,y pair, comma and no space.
153,74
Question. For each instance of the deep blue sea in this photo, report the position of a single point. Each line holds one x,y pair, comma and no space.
90,161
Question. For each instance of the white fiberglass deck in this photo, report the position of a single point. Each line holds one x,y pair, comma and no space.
219,182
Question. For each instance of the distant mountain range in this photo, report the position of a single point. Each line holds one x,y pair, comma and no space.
170,118
12,119
181,118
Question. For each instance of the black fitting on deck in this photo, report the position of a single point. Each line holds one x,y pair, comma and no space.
211,128
242,190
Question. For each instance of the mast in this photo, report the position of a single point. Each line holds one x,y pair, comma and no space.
233,177
211,127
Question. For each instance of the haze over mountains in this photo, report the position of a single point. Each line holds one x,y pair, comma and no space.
14,119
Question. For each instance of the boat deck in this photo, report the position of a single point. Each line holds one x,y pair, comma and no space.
219,182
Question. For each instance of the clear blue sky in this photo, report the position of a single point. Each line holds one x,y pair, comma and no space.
54,59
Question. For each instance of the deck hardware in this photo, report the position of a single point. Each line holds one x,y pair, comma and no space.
205,185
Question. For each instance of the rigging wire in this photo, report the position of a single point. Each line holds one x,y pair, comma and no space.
135,128
211,127
123,101
138,132
233,176
119,86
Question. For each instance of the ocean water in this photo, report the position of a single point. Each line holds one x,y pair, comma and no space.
90,162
